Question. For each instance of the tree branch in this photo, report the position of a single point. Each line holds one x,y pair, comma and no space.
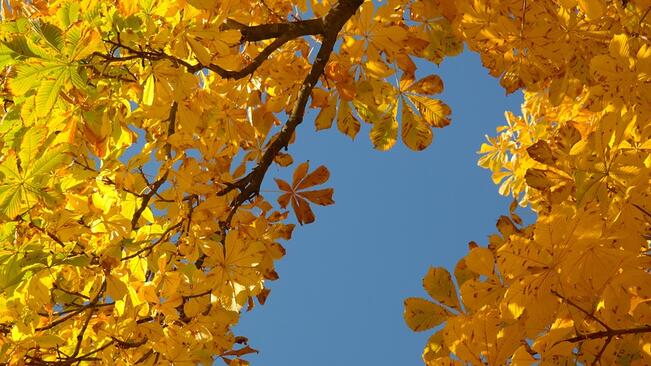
261,32
153,189
249,186
588,314
152,245
607,333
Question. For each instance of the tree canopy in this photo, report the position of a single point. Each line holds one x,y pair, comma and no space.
136,136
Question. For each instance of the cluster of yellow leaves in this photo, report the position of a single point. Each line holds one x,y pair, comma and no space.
126,125
116,257
574,287
372,78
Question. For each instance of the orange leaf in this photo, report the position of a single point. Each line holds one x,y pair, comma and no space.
302,209
300,172
428,85
283,185
319,176
322,197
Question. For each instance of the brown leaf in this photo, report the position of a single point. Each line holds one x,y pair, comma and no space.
537,179
506,227
321,197
283,185
541,152
319,176
300,173
284,199
240,352
302,209
262,296
283,159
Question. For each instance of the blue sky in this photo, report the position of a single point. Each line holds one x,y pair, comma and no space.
339,299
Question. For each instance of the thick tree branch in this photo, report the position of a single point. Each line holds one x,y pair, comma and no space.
249,186
261,32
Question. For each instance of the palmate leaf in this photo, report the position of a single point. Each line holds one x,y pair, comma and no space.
11,190
22,189
297,195
52,159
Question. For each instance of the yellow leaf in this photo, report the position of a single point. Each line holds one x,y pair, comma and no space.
115,287
346,121
326,115
438,284
476,294
435,112
541,152
428,85
593,9
481,261
203,55
148,92
49,340
416,134
420,314
384,132
378,69
204,4
48,92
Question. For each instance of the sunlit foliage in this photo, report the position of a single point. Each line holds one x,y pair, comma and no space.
574,287
135,137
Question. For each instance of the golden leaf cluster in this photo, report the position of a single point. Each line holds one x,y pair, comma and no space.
574,287
134,141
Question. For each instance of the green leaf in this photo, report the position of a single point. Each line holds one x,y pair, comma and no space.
11,201
76,78
50,33
32,141
29,76
15,50
68,14
48,93
51,160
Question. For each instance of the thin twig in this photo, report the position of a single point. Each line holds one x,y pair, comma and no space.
591,316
